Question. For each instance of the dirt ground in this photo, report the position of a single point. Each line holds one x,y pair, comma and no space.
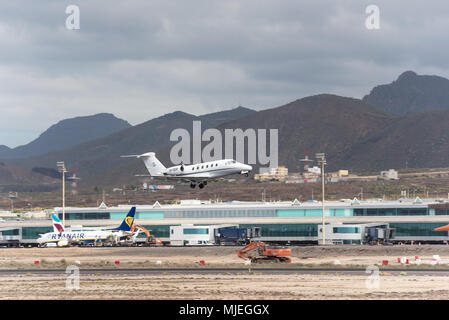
144,257
223,285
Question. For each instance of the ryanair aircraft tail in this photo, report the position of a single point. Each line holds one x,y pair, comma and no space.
128,221
57,224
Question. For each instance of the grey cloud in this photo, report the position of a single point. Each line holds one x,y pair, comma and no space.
139,59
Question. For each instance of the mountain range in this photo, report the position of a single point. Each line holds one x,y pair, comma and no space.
66,134
386,129
411,93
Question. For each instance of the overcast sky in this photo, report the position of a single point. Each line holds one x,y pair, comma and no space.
140,59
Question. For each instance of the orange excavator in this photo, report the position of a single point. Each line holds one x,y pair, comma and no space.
151,240
264,254
443,228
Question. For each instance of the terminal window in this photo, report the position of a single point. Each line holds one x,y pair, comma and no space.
196,231
346,230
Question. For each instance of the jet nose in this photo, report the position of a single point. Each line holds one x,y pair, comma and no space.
249,168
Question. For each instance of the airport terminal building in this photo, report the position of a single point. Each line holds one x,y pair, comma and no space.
282,222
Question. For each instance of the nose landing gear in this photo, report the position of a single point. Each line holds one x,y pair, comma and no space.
246,173
192,185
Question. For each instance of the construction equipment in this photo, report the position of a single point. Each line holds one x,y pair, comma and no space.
264,254
151,240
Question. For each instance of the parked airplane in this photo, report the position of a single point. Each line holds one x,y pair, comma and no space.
61,237
198,173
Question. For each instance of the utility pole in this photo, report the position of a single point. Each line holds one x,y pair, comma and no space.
63,170
322,160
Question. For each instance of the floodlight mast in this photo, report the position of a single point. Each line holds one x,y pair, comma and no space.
321,157
63,170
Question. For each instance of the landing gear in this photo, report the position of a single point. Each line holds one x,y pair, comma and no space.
201,185
246,173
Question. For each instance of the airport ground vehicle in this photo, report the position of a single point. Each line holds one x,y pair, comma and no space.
376,235
235,236
264,253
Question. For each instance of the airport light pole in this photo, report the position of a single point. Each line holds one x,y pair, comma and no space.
322,160
63,170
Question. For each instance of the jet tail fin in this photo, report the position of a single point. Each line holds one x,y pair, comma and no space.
128,221
57,224
154,166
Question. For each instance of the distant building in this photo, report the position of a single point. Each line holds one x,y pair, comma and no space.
339,174
315,170
275,174
389,175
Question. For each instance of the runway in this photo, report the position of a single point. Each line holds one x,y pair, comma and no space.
231,271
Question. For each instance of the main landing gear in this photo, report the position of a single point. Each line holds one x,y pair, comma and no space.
201,185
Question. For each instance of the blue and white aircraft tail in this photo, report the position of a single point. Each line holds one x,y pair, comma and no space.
127,223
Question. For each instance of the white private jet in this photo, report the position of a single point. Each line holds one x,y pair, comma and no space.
198,173
60,237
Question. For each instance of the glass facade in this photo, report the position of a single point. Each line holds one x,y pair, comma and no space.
285,230
239,212
391,212
10,232
441,211
86,215
156,231
418,229
220,213
196,231
346,230
328,212
139,215
33,232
